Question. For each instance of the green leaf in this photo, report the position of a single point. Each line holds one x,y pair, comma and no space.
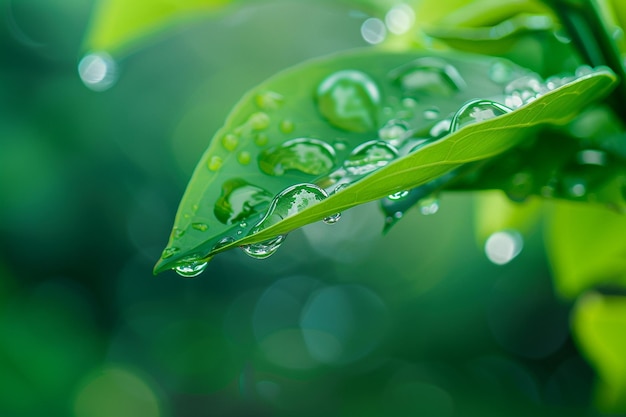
116,24
361,96
598,324
586,247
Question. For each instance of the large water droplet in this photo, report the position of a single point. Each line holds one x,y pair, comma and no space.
192,267
440,129
429,76
477,111
349,100
310,156
240,200
369,156
287,203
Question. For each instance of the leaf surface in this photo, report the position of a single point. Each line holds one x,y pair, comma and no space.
212,217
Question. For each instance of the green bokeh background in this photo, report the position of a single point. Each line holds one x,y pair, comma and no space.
342,321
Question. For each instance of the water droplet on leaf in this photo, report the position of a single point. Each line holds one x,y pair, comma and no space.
286,126
244,157
428,205
193,267
477,111
369,156
169,252
429,76
349,100
501,71
310,156
259,121
215,163
230,142
268,100
261,139
240,200
332,219
394,130
440,129
177,233
399,195
202,227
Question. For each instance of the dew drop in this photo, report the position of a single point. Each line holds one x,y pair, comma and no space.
177,233
369,156
521,186
332,219
288,202
310,156
428,205
268,100
215,163
502,247
230,142
259,121
225,241
340,145
261,139
477,111
286,126
202,227
240,200
349,100
394,130
431,113
398,196
501,71
429,76
440,129
523,90
169,252
193,267
409,103
244,157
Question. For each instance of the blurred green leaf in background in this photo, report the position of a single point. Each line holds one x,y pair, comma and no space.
506,302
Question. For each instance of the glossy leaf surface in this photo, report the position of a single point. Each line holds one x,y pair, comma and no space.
377,116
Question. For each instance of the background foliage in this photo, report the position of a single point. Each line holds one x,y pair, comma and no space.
342,321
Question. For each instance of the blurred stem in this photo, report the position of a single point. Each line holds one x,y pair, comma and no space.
587,29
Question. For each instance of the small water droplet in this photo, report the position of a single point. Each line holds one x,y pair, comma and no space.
230,142
169,252
286,126
98,71
394,130
195,208
222,242
244,157
332,219
240,200
259,121
202,227
502,247
243,224
268,100
440,129
310,156
349,100
369,156
340,145
523,90
215,163
428,205
409,103
192,267
261,139
583,71
177,233
429,76
399,195
477,111
431,113
501,71
574,186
